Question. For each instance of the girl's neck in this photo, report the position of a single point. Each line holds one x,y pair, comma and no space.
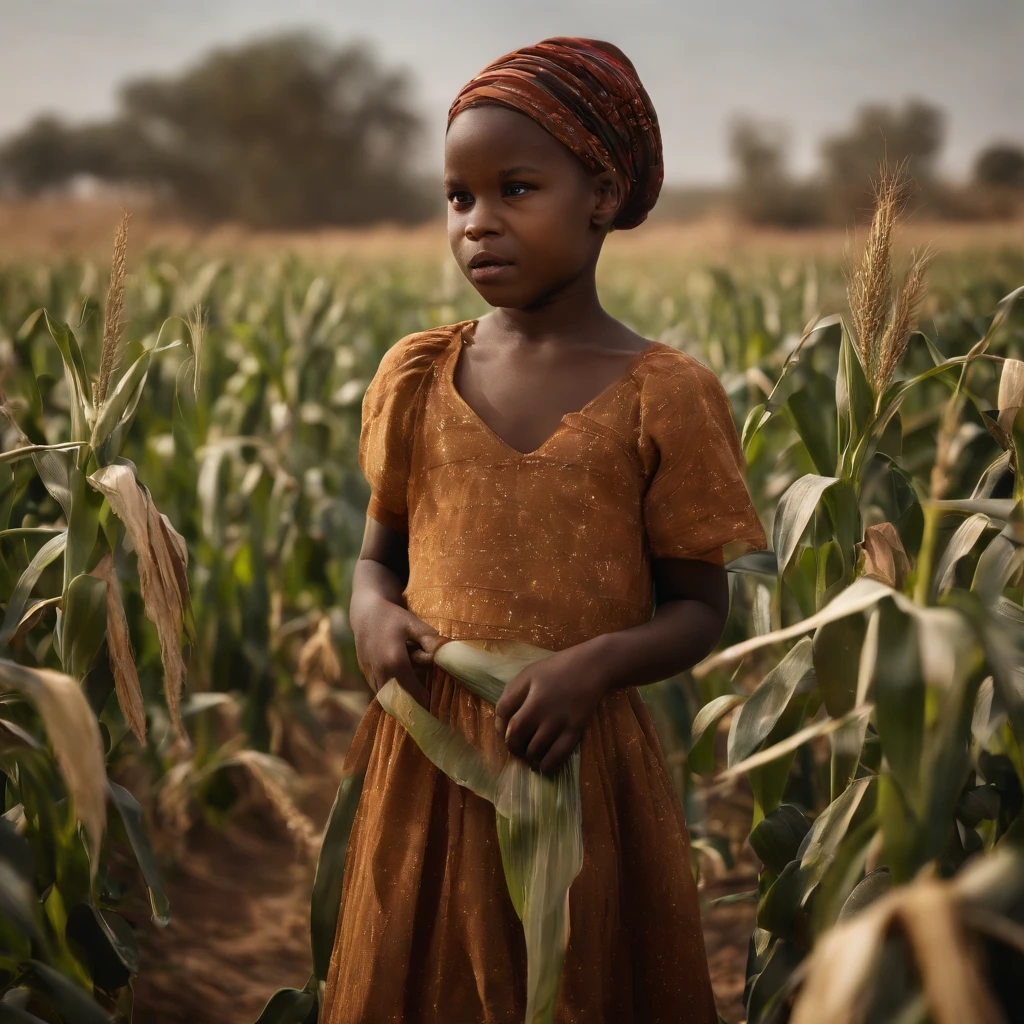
567,316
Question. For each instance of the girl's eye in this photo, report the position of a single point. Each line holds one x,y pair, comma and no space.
517,189
459,198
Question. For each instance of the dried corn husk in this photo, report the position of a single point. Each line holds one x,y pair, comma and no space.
119,652
539,819
162,560
935,919
75,738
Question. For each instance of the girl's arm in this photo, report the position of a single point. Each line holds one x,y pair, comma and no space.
692,605
545,709
390,641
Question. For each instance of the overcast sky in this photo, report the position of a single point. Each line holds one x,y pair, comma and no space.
807,63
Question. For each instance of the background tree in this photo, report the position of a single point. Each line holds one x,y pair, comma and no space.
766,193
284,131
1000,165
911,135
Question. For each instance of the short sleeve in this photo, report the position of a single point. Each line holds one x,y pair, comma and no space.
389,414
696,501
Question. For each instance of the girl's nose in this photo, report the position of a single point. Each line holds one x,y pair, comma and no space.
482,222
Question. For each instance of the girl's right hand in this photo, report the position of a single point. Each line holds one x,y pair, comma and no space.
395,644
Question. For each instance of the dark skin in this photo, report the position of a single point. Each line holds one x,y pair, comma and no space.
519,198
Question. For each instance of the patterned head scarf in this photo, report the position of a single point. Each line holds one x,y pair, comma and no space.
587,94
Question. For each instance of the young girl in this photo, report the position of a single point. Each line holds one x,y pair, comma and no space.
546,475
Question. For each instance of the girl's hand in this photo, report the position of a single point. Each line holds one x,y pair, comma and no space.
545,709
394,643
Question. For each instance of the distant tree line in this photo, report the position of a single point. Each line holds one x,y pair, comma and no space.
910,135
280,132
289,132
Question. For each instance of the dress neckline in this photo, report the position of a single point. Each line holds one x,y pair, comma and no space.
449,378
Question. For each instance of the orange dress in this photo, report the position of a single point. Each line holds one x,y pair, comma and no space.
552,548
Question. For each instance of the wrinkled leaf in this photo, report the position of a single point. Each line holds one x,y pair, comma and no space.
75,737
16,606
794,513
702,735
960,544
756,719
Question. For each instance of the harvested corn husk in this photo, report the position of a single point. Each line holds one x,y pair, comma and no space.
539,819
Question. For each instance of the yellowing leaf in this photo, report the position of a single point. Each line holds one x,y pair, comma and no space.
885,559
75,738
119,652
162,560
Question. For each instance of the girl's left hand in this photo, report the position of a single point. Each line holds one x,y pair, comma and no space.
545,709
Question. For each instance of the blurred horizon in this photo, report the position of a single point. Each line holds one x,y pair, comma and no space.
805,67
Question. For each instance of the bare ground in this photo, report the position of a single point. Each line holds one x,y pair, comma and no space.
240,917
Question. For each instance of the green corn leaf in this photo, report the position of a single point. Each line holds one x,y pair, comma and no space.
38,449
842,503
105,943
778,836
899,693
538,819
131,815
13,1015
768,781
771,984
830,829
18,900
119,405
995,508
16,606
755,563
765,706
836,655
83,524
83,624
794,513
790,377
751,425
812,408
960,544
446,748
701,755
291,1006
76,374
780,911
822,727
847,744
483,671
854,402
70,1001
999,563
862,594
330,873
75,737
871,887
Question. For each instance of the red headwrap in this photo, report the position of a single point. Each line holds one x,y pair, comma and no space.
588,95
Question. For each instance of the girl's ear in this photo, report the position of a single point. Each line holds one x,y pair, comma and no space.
608,198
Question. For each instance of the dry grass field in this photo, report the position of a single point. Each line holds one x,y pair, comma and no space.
53,229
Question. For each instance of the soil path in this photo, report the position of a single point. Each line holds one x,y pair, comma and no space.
240,918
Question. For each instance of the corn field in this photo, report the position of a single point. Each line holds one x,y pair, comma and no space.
181,509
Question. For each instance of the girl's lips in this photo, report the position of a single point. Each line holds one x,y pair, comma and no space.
490,271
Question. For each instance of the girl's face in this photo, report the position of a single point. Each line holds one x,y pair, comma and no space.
526,217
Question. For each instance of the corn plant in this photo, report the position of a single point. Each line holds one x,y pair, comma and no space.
907,669
71,676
